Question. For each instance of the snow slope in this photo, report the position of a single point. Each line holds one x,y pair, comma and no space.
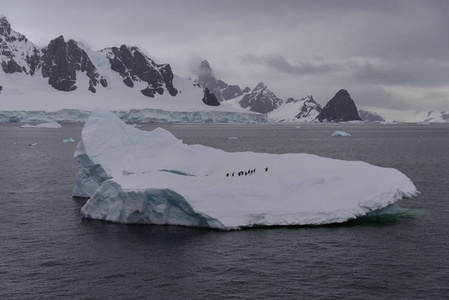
304,110
134,176
31,99
409,116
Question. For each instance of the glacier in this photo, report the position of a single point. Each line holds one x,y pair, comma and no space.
151,177
144,115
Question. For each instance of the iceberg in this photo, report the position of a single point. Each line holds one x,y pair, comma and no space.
43,125
340,133
151,177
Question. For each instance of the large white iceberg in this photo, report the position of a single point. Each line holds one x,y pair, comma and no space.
142,177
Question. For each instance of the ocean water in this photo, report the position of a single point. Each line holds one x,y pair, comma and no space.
48,251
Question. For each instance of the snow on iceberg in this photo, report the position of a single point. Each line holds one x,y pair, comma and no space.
43,125
340,133
151,177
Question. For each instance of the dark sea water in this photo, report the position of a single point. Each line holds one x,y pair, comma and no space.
48,251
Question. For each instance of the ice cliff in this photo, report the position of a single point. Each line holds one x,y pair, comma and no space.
141,177
144,115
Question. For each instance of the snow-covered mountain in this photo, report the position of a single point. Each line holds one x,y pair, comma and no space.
16,52
68,66
292,110
219,88
261,100
67,75
370,116
404,116
68,79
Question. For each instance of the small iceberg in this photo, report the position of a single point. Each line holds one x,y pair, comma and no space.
389,123
43,125
70,140
340,133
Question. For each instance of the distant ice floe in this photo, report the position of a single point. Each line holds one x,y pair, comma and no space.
150,177
340,133
389,123
69,140
43,125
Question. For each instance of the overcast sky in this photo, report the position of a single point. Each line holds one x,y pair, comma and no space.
386,53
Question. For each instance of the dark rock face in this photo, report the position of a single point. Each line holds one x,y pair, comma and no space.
341,108
17,54
210,98
261,100
370,116
221,89
61,60
5,27
134,66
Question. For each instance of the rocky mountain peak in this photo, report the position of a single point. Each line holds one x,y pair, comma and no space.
17,54
8,34
205,66
205,74
261,100
5,26
260,87
62,59
309,108
134,66
219,88
341,108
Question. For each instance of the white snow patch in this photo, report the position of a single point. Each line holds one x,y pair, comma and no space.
340,133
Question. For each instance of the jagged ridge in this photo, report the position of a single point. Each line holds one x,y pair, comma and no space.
60,62
261,100
219,88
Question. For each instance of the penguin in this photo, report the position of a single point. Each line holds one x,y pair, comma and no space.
266,169
227,174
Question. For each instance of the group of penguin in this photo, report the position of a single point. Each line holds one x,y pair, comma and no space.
244,173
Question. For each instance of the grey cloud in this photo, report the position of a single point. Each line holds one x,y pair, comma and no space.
280,64
416,73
